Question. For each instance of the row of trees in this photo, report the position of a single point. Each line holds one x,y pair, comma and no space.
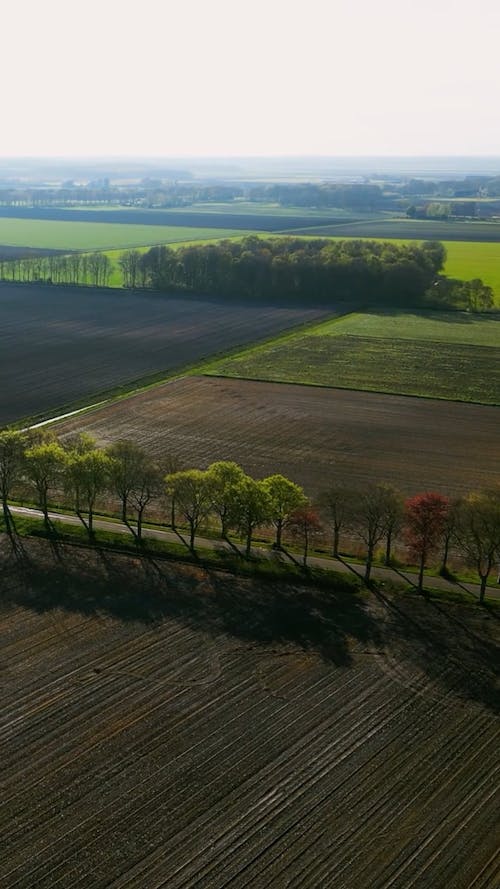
75,268
376,515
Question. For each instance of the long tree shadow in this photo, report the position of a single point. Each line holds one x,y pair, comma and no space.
269,612
453,646
447,647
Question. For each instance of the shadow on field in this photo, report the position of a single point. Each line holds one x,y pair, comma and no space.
429,647
450,316
143,589
454,647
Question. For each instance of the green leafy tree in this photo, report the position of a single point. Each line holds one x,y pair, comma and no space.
254,508
170,464
284,498
44,467
127,463
12,445
225,478
87,477
192,492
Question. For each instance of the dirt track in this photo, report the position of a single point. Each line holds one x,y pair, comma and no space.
163,726
310,434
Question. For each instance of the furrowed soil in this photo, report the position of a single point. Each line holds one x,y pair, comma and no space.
312,435
162,725
59,345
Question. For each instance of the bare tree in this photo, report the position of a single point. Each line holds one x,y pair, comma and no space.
369,520
336,504
478,533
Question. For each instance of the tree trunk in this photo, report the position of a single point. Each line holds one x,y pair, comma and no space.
248,547
388,545
7,517
139,525
444,565
420,585
336,541
482,591
172,515
46,519
369,562
306,549
192,532
279,529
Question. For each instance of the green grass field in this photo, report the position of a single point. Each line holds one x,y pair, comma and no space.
441,355
99,236
436,327
473,259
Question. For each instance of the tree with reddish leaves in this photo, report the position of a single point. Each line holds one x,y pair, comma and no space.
304,524
425,523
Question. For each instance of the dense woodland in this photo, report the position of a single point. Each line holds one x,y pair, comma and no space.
428,523
315,270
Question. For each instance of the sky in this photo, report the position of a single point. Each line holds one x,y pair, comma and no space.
250,77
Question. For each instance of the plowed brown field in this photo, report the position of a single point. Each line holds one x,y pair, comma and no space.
63,344
312,435
162,726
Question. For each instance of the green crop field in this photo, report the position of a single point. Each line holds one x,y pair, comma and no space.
438,355
266,208
408,229
436,327
474,259
62,235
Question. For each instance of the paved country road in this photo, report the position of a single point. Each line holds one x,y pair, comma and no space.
341,565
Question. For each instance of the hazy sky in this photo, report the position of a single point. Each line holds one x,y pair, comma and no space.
229,77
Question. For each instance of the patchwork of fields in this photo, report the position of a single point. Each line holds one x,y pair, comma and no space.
163,725
59,345
166,726
265,222
314,436
437,355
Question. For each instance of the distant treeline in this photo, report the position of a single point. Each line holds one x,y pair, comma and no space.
158,193
342,196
